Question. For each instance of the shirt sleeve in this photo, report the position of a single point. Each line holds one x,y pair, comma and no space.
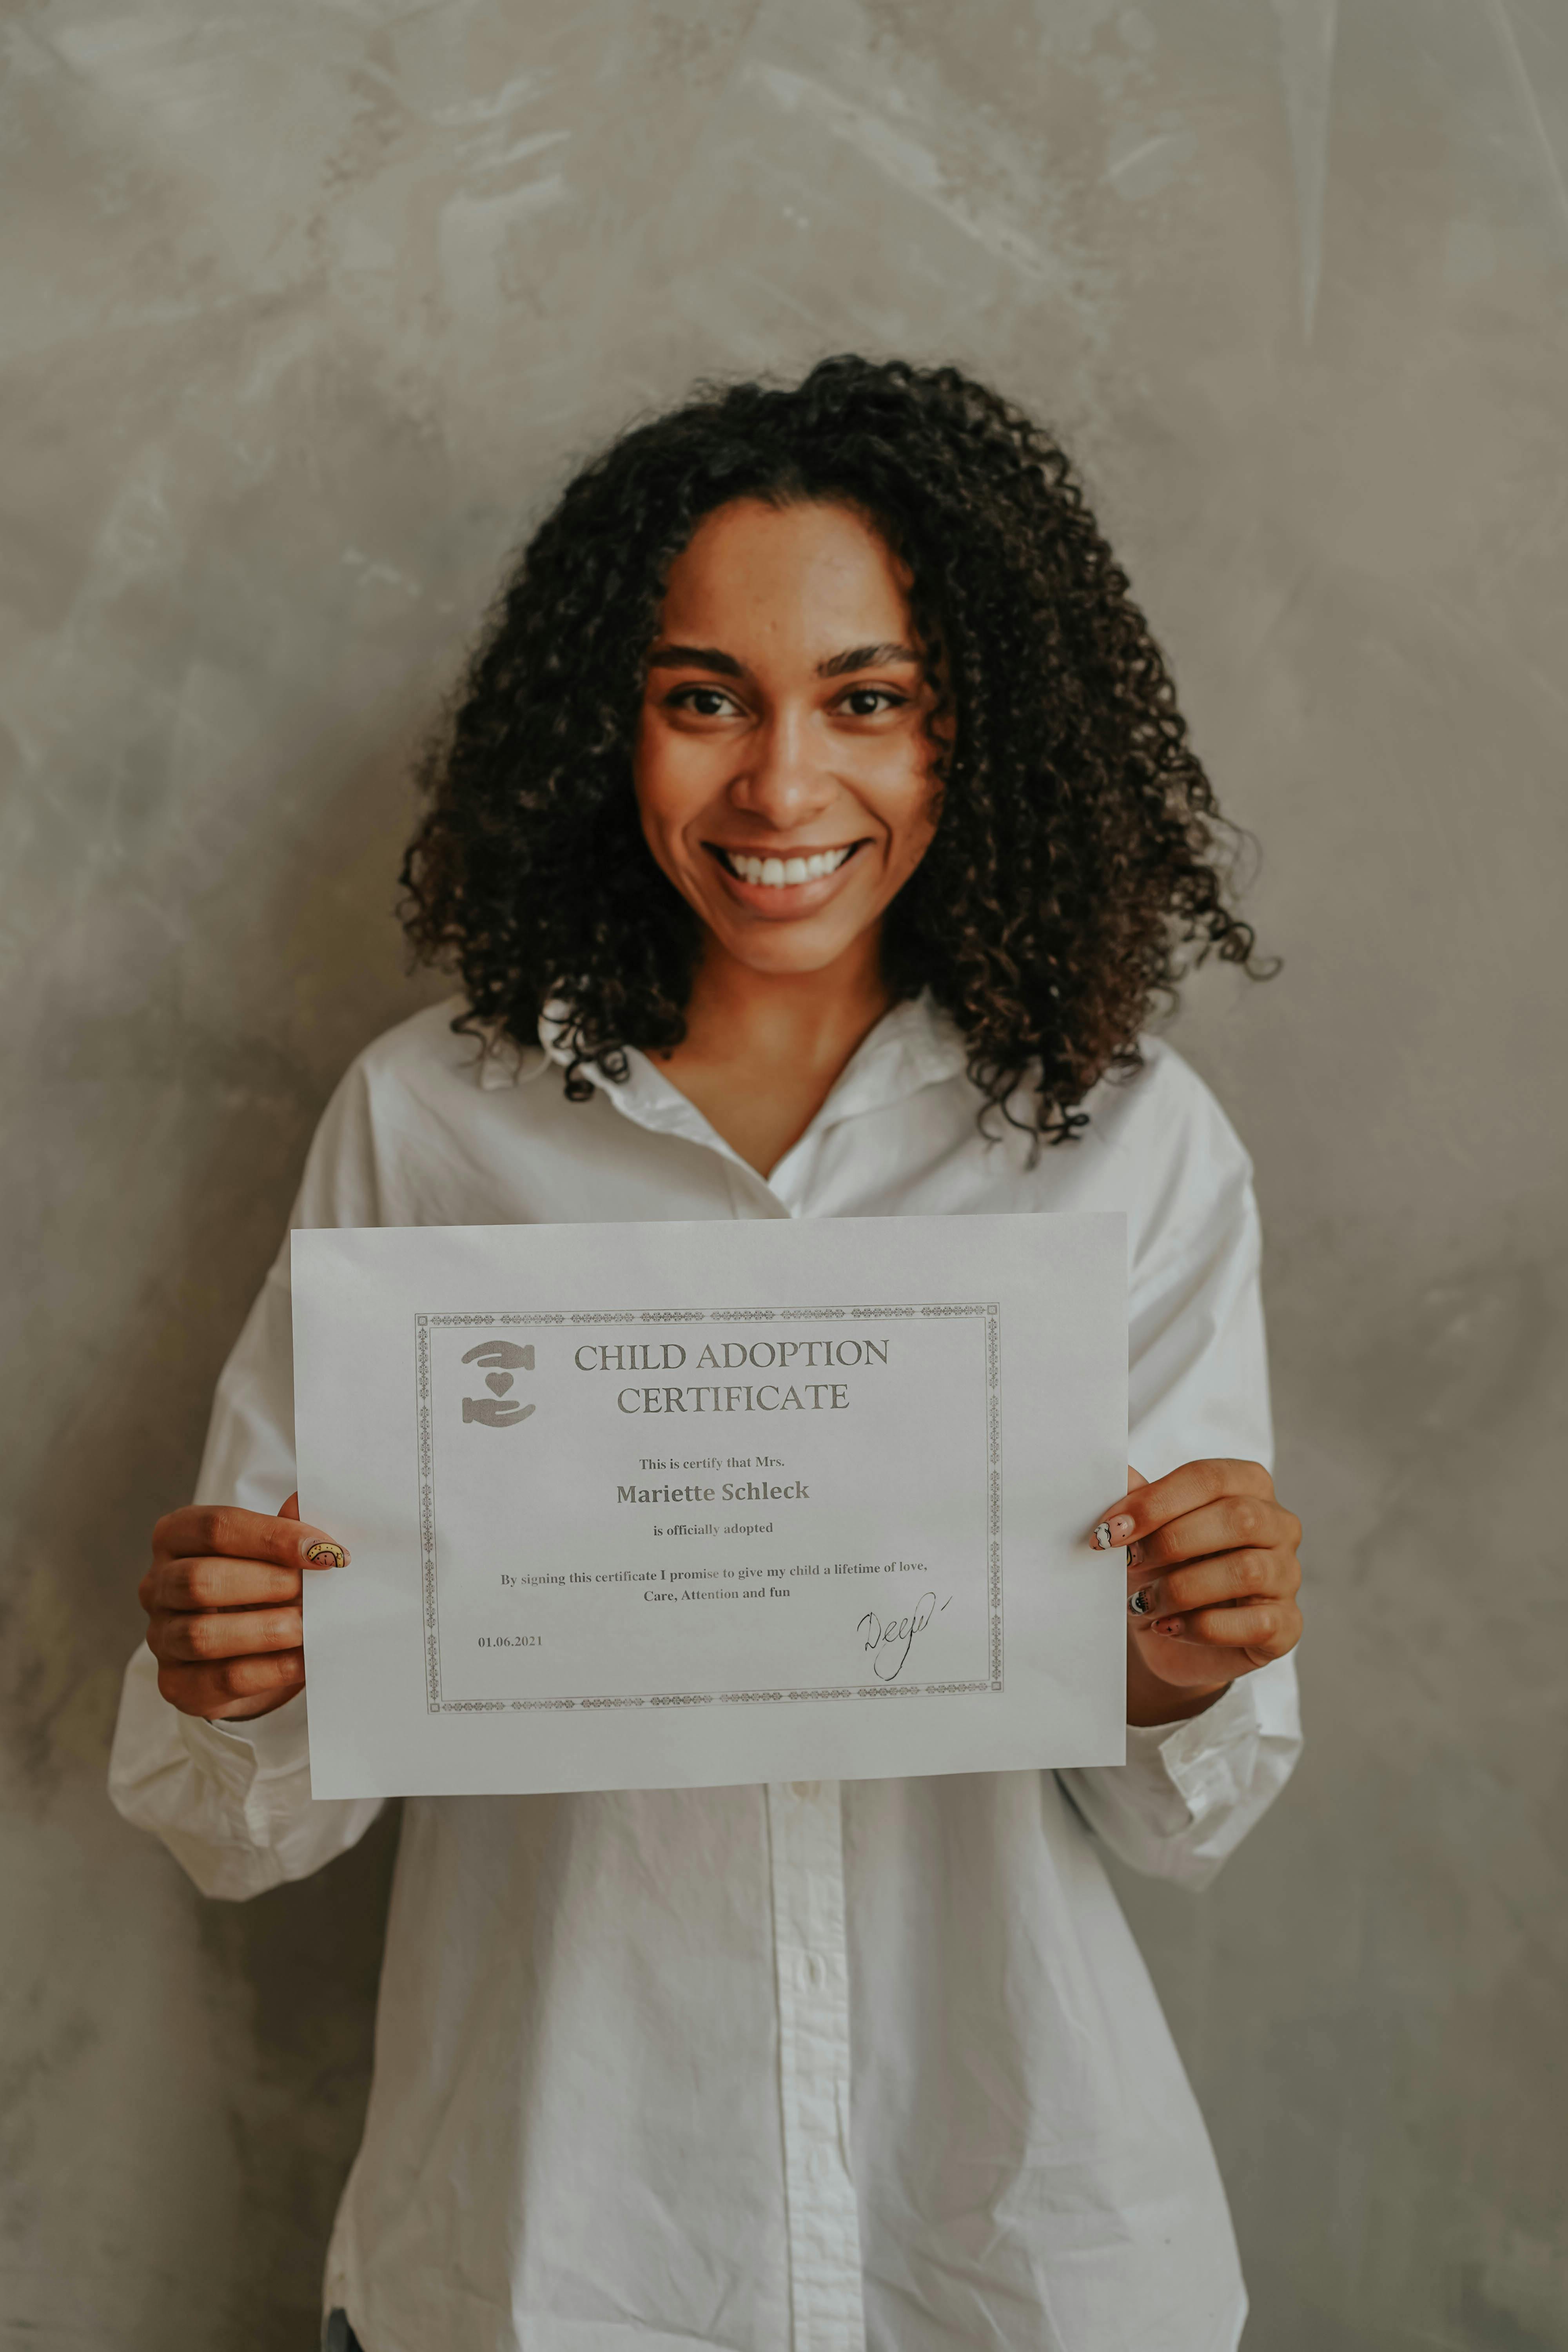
1189,1792
1198,1387
232,1802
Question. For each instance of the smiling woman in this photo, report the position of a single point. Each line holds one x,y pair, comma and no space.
868,619
815,827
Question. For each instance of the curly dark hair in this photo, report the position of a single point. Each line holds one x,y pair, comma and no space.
1079,864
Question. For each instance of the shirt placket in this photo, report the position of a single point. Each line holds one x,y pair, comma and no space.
806,1847
811,1964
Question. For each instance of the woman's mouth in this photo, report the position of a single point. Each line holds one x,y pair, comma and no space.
775,873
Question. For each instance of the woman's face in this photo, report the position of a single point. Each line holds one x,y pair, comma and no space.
782,770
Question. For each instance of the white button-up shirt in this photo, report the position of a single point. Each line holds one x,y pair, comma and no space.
870,2067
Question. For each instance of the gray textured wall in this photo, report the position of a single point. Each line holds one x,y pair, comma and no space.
310,304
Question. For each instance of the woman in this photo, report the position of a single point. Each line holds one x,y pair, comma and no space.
813,834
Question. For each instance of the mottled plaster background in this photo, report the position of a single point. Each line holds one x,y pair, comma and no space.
307,309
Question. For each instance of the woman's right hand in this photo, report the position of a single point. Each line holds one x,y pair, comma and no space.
223,1600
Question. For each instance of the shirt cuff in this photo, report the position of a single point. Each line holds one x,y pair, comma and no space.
1194,1755
264,1747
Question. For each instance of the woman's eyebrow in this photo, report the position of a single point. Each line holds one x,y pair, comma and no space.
695,658
723,665
865,657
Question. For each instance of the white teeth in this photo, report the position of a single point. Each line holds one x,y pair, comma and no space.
783,873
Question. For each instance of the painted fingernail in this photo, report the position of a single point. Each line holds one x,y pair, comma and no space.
326,1555
1140,1604
1169,1625
1121,1529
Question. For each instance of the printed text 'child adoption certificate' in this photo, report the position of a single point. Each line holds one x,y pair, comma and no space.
662,1505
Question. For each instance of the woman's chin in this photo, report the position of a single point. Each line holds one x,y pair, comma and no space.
781,947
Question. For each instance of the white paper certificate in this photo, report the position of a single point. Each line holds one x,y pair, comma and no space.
660,1506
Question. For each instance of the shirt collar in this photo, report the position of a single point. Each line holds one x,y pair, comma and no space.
914,1045
503,1062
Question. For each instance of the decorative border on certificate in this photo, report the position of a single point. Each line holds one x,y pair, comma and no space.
685,1317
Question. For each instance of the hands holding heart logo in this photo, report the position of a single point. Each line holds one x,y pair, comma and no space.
497,1411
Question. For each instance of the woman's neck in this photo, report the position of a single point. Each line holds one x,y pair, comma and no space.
763,1050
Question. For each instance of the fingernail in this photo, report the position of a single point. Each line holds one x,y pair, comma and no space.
1121,1529
326,1555
1138,1604
1102,1535
1169,1625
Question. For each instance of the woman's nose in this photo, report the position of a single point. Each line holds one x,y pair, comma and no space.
787,779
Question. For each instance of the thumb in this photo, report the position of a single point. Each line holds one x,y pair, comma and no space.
292,1508
1135,1479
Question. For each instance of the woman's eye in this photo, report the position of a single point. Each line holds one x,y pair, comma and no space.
706,701
870,701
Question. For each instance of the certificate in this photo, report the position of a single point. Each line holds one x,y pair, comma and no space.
671,1505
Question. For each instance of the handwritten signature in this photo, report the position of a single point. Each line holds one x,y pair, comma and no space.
894,1637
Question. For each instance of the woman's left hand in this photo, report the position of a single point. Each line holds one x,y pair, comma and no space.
1211,1580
